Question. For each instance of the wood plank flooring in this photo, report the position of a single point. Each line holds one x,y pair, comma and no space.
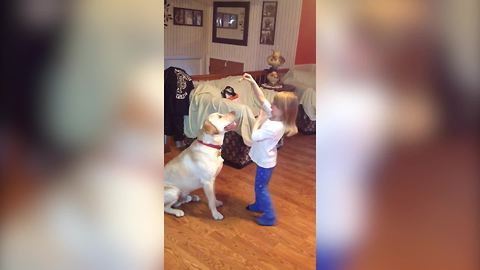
196,241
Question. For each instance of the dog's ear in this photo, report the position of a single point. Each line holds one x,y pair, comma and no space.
209,128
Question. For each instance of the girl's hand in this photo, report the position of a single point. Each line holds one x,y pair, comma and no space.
248,77
256,89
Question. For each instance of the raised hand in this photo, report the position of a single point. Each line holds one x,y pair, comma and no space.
255,88
248,77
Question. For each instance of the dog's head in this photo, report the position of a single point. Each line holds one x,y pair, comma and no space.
218,123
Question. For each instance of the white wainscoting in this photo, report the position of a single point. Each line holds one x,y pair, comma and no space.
192,65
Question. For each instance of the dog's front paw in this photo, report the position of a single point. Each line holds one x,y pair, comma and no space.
217,215
218,203
179,213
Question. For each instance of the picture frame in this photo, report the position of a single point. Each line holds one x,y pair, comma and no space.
268,22
230,22
187,17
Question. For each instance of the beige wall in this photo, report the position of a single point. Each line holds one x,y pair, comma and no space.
187,41
254,55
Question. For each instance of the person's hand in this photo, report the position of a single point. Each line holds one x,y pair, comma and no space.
248,77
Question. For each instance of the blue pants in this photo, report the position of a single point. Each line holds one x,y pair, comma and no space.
262,196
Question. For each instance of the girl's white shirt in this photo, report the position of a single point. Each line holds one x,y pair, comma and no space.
265,139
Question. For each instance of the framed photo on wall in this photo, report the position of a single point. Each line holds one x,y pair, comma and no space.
188,17
230,22
269,16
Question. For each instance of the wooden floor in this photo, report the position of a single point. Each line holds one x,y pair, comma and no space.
196,241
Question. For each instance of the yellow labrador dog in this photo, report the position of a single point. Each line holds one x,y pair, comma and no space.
198,166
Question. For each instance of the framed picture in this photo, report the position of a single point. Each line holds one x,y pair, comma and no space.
186,16
230,22
269,15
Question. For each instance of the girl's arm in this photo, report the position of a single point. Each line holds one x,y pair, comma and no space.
258,134
260,120
256,89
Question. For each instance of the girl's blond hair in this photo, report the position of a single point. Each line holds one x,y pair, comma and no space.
287,103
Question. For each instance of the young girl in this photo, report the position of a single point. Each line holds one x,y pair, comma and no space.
274,121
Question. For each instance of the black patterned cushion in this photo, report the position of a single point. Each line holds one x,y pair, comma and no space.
234,151
304,124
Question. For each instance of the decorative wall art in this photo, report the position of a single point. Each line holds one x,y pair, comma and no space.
230,23
186,16
269,16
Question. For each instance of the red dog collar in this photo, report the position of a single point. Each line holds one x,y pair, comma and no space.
218,147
